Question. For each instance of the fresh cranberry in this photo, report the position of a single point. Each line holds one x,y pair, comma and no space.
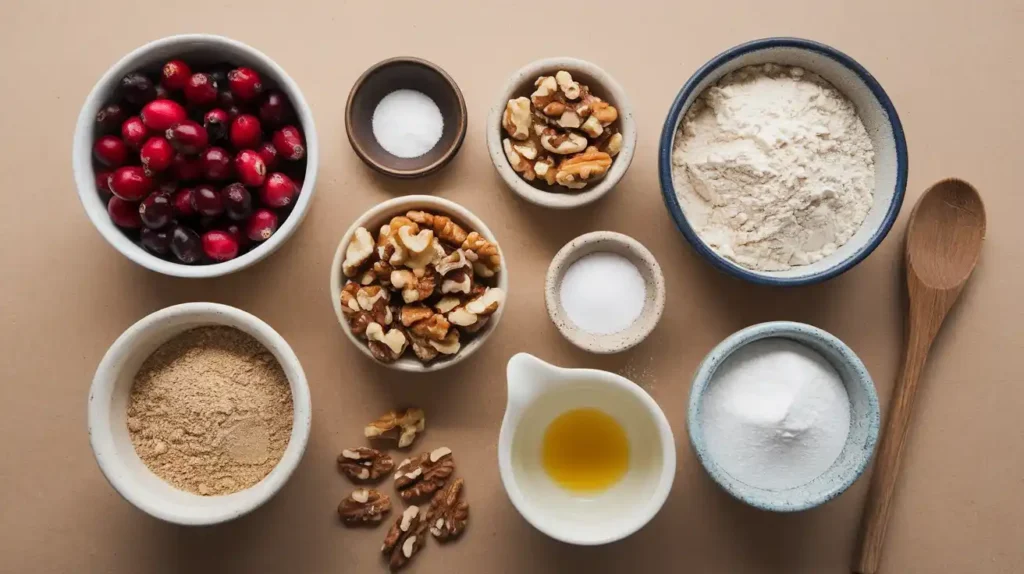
137,89
206,200
246,132
182,201
261,225
124,213
134,132
110,151
175,75
156,240
250,168
245,83
288,141
186,168
278,191
156,210
109,118
275,110
235,231
188,137
216,163
130,183
219,245
201,90
103,183
216,122
268,153
160,115
186,245
237,201
156,154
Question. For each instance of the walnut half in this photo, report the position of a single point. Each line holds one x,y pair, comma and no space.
424,474
448,514
405,538
402,424
365,506
363,463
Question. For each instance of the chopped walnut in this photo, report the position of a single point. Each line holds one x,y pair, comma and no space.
425,474
448,514
412,314
444,228
364,463
517,118
455,260
358,252
414,288
575,172
386,347
546,92
434,328
449,345
365,506
481,251
422,349
405,538
567,85
446,304
457,282
486,303
562,143
402,424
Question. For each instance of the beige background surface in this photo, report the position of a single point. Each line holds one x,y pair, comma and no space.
952,68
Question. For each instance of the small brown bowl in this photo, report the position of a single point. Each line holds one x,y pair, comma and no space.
412,74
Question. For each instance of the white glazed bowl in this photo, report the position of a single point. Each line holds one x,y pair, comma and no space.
372,220
107,417
202,47
538,393
602,84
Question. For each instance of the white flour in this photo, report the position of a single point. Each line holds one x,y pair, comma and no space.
773,167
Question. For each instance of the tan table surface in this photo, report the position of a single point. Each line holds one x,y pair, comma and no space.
952,68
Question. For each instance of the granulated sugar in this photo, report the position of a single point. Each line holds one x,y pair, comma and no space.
211,411
407,123
603,293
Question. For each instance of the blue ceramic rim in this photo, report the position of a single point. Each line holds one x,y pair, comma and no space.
705,372
672,122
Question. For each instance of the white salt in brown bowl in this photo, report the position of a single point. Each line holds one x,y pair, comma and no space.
108,414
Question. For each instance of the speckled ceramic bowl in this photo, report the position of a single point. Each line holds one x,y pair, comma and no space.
864,418
629,248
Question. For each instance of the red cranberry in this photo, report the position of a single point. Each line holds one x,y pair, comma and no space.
237,201
182,200
137,89
216,163
110,151
186,168
201,90
124,213
156,240
216,122
206,200
188,137
219,245
288,141
134,132
246,132
274,110
186,245
102,183
109,118
175,75
245,83
156,210
278,191
250,168
130,183
160,115
268,153
156,155
235,231
261,225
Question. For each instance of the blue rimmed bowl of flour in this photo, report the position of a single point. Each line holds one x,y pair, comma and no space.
783,162
783,416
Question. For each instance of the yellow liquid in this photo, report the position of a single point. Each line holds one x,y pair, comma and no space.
585,450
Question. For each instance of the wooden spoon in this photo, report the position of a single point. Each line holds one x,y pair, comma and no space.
944,239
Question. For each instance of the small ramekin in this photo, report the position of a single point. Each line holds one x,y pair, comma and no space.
108,426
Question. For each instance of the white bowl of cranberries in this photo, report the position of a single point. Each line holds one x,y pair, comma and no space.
195,156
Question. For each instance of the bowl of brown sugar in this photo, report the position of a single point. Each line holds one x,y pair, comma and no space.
199,413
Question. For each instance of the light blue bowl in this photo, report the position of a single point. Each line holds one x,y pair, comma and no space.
864,418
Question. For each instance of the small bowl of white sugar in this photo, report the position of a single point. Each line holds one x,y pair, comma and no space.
783,416
605,292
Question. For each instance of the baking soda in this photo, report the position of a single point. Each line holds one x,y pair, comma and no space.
407,123
603,293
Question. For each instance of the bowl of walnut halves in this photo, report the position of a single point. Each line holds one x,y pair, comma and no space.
418,283
562,133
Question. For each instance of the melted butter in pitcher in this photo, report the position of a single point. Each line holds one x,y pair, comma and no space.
585,450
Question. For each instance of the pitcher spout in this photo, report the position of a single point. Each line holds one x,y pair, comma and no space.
527,377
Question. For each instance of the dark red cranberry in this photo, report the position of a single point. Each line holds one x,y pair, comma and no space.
188,137
268,153
124,213
186,168
206,200
130,183
102,183
201,90
111,151
288,141
182,200
219,245
137,89
216,122
216,163
175,75
261,225
156,210
275,110
134,132
186,245
109,118
278,191
245,83
160,115
246,132
237,201
162,93
226,99
233,111
250,168
168,186
156,155
156,240
235,231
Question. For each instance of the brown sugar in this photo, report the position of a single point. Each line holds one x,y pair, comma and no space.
211,411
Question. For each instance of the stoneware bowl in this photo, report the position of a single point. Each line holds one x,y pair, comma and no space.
193,48
875,110
864,418
409,74
372,220
606,241
108,427
602,85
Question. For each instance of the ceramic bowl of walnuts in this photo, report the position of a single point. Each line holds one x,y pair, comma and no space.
562,133
418,283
